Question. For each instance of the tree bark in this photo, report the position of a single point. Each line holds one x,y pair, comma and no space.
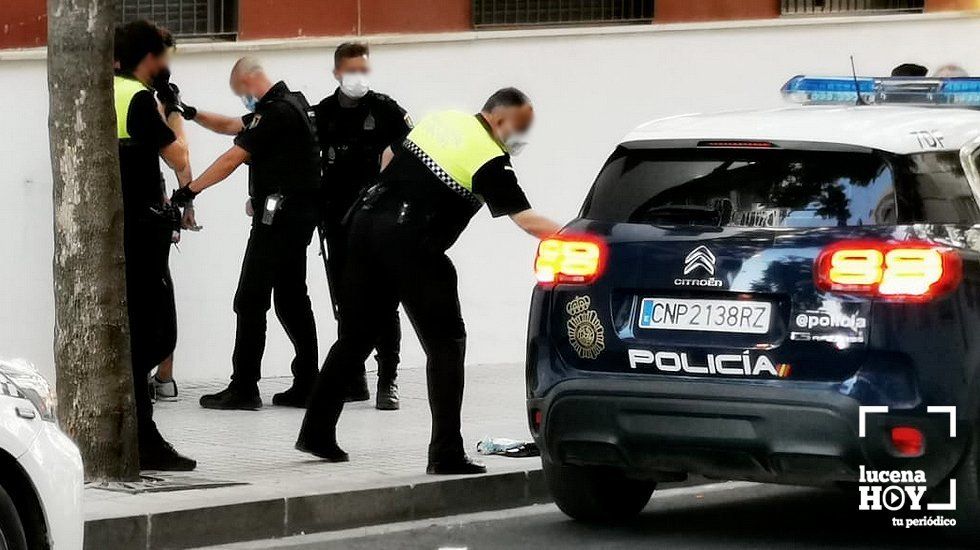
91,341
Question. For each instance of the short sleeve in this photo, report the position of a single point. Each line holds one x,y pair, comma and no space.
145,123
497,183
263,130
399,124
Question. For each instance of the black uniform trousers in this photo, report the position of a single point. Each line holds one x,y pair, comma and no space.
152,312
388,346
390,261
274,270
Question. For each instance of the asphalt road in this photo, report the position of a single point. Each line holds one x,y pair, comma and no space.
732,515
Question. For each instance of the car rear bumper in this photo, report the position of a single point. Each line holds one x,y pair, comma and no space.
760,432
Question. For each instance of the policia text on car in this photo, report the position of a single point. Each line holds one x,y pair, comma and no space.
355,125
278,141
147,131
434,182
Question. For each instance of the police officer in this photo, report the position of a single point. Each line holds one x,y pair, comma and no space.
437,179
356,124
278,142
148,130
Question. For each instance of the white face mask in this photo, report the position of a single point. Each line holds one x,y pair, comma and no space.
354,85
516,143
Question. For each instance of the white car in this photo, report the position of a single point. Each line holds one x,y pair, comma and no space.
41,474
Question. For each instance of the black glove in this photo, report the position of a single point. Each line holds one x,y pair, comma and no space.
188,112
173,103
167,92
183,196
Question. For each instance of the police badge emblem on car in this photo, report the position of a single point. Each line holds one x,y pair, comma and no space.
585,332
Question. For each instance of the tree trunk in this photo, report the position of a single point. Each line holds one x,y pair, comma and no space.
91,343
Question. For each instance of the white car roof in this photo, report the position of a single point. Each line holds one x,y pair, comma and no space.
896,129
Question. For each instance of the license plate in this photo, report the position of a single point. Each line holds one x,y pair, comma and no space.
708,315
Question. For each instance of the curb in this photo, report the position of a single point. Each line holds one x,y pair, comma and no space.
283,517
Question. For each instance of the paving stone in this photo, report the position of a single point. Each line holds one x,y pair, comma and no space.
286,491
218,525
124,532
333,511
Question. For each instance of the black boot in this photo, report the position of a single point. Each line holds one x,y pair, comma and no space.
330,452
461,465
357,389
295,396
387,397
161,456
234,397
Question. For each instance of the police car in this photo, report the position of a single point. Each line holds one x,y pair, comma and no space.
40,468
787,296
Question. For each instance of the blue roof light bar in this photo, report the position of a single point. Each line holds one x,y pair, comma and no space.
843,90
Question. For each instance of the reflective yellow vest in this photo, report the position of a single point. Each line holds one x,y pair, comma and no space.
124,89
454,145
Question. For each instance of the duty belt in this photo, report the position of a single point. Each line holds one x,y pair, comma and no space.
444,177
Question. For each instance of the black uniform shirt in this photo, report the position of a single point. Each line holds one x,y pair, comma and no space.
495,182
139,156
352,138
284,157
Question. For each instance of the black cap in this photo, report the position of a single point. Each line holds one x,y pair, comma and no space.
910,69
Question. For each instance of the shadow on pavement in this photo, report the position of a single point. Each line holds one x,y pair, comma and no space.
768,517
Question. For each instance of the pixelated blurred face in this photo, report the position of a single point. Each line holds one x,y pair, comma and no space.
352,65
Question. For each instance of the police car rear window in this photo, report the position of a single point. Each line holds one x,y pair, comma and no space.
744,188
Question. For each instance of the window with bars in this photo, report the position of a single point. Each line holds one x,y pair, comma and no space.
528,13
186,18
831,7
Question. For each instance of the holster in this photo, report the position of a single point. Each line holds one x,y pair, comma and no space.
366,200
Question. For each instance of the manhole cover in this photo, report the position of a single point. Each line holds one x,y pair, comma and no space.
162,484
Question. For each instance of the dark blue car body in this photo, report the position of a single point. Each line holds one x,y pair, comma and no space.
602,408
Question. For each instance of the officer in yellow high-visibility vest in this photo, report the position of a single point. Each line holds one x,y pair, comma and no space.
450,164
149,129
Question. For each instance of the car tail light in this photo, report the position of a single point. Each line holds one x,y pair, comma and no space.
572,260
907,441
902,271
537,417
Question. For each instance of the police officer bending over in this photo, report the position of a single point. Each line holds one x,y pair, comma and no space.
356,125
437,179
278,142
143,55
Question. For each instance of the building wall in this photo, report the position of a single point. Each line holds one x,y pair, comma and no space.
415,16
587,94
952,5
674,11
294,18
23,25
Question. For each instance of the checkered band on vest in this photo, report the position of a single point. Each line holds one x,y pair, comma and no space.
454,185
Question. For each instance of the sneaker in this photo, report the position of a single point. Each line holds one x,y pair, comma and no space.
458,466
387,397
162,457
295,396
357,390
163,391
233,398
330,453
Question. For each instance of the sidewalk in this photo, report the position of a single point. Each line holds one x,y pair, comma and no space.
281,491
